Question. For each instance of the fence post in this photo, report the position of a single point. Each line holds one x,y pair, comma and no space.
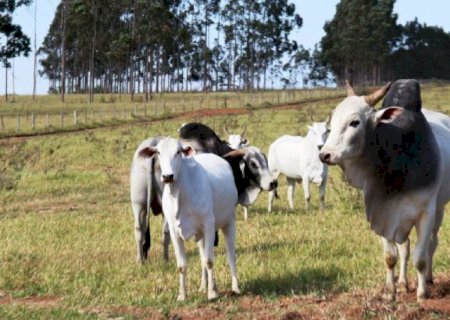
184,104
164,105
75,117
123,113
85,116
47,123
62,120
155,107
33,122
145,109
92,115
2,124
18,122
135,110
225,102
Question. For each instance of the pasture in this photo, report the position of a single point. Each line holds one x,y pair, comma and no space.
67,245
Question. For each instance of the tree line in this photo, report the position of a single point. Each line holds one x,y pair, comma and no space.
147,46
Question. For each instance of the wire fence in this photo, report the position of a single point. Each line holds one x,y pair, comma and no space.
29,120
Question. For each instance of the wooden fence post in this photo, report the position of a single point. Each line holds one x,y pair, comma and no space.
135,110
155,106
75,120
2,124
47,123
85,116
18,122
164,105
92,115
145,110
62,120
184,104
33,122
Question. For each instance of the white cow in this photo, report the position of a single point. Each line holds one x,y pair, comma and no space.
237,141
199,197
298,159
146,193
400,158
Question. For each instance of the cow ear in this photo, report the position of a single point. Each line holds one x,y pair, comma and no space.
188,150
147,152
388,115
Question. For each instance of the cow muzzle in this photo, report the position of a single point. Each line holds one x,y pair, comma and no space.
167,178
326,157
273,185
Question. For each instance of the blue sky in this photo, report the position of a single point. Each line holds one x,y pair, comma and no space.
313,12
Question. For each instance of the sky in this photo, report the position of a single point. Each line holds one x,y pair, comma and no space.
314,13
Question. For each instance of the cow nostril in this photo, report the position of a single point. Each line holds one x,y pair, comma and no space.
167,177
325,157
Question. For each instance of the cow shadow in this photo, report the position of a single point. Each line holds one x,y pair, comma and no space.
317,281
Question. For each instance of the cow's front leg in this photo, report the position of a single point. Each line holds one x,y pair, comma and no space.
424,229
290,191
390,258
165,238
230,237
403,250
180,254
306,189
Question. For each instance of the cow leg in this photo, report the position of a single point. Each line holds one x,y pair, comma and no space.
165,238
230,236
245,213
322,188
272,193
291,189
403,250
180,254
306,189
203,279
390,257
424,229
208,260
141,227
434,243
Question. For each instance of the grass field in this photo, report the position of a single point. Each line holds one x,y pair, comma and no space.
67,243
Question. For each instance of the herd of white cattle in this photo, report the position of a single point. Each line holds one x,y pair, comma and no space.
198,191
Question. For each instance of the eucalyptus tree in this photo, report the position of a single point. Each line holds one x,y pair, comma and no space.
13,41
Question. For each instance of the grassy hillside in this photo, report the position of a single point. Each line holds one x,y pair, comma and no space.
67,229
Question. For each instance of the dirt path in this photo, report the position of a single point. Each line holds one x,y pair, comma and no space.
356,304
182,115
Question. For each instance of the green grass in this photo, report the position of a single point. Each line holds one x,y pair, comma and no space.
67,229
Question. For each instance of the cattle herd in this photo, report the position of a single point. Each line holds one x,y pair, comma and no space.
399,156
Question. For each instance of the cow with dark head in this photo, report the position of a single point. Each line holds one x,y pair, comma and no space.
249,164
399,156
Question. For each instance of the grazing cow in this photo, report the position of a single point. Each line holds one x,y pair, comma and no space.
146,193
199,197
298,159
236,141
249,164
399,156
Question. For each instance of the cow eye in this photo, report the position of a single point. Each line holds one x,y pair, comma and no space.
253,165
354,123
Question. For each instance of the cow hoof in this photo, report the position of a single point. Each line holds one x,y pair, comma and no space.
236,291
430,281
202,289
422,297
403,288
212,295
181,297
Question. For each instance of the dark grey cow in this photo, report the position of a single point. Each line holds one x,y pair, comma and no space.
399,156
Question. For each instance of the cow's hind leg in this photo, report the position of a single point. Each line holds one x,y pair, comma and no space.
230,236
203,278
403,250
322,188
390,258
141,231
208,260
306,189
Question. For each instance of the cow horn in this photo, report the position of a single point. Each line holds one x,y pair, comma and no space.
226,129
312,118
245,129
328,119
348,87
235,153
373,98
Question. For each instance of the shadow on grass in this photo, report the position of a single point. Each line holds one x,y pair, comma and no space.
308,281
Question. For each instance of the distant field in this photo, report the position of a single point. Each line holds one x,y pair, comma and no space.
67,244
